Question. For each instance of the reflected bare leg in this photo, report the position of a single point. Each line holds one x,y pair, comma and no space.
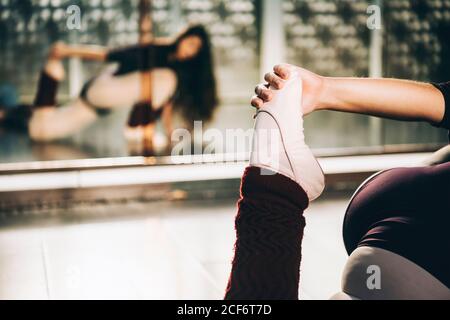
49,122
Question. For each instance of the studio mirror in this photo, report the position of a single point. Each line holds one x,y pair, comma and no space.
124,79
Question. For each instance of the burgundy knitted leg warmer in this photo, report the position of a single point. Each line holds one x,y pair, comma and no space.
47,90
269,229
143,114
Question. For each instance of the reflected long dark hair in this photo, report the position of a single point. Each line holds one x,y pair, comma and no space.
196,96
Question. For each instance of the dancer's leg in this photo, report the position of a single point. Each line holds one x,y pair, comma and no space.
111,92
141,126
50,77
13,115
293,159
49,122
275,191
398,277
398,222
269,231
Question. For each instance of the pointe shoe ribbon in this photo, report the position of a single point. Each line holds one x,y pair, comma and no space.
285,109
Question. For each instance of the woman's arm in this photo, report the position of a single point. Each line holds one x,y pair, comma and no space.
88,52
60,50
96,53
390,98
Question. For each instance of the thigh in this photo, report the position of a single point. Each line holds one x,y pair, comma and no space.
110,92
405,211
421,193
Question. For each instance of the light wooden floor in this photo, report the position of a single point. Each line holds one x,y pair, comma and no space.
162,251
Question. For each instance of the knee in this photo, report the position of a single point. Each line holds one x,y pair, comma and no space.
378,274
40,129
361,277
39,133
343,296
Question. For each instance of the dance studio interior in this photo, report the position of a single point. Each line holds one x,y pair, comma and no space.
126,127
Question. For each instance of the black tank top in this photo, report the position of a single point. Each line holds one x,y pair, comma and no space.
142,58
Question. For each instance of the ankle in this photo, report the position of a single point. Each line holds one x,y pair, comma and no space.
55,69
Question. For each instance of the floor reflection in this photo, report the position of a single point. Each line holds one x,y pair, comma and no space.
161,251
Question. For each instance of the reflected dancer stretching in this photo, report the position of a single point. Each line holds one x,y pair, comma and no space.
183,81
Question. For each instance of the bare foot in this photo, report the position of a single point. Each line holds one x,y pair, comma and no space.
54,68
287,153
59,51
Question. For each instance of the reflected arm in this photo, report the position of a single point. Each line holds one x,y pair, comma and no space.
86,52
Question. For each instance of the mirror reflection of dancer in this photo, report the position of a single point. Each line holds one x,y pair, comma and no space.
182,73
397,220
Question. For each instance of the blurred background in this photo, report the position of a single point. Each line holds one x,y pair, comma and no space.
328,37
86,218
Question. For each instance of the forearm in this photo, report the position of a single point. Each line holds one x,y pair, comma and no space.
391,98
86,52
